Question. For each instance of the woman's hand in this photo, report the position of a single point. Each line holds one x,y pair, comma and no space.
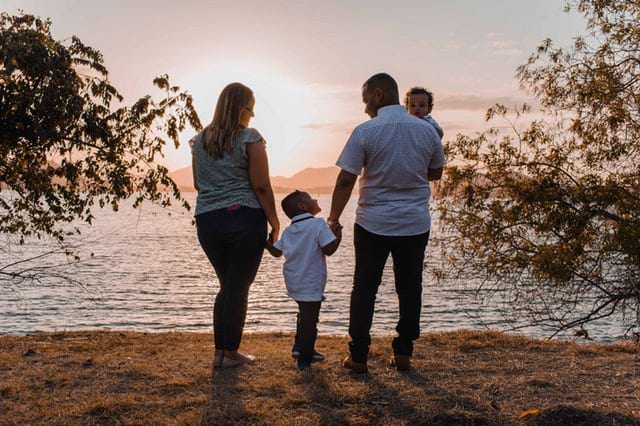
274,234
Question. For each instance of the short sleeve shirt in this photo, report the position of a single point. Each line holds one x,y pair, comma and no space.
429,119
305,266
224,181
394,152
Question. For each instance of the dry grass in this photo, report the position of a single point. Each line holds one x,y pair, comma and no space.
461,378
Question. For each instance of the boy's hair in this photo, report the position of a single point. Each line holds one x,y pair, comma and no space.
290,204
419,91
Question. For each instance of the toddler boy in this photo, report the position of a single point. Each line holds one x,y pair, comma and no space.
304,244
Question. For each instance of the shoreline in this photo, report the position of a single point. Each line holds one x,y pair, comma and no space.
571,338
461,377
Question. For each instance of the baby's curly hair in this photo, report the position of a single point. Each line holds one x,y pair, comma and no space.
419,91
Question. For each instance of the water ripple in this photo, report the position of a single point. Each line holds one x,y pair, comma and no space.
149,273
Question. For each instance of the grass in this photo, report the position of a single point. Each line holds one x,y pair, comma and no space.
460,378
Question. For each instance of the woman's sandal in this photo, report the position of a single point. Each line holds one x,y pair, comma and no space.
240,359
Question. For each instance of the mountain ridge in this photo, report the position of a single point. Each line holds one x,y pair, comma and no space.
315,180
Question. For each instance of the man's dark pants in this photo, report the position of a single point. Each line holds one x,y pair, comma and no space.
372,251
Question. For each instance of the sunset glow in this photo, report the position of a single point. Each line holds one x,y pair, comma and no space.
306,61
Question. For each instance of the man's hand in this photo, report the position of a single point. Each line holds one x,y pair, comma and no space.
336,228
334,225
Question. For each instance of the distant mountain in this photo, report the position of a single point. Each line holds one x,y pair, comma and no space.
313,180
183,178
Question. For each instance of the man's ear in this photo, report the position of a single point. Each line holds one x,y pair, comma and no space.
379,95
301,207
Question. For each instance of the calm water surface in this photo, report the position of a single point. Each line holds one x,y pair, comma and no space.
149,273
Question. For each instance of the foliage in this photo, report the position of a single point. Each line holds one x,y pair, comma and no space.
548,217
67,142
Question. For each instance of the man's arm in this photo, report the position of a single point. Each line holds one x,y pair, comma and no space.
341,194
434,174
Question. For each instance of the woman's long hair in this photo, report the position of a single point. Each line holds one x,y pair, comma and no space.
221,134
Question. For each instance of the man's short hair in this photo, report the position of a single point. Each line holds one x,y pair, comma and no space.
384,82
419,91
290,204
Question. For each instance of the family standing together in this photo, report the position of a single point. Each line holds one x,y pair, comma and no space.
396,154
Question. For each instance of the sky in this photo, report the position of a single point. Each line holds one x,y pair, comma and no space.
306,60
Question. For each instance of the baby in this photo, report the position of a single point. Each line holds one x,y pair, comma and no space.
305,243
419,102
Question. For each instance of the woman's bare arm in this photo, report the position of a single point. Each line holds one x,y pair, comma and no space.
193,171
261,185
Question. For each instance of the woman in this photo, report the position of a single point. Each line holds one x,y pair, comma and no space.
235,201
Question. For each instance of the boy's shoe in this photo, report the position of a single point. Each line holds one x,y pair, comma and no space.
317,356
401,362
303,366
358,367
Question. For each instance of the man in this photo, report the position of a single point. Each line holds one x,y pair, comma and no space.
400,154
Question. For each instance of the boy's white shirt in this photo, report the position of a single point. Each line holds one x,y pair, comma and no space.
305,266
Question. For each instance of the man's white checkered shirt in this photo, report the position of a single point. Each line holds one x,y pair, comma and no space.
396,150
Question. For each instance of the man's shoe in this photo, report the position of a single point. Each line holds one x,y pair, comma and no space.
401,362
303,366
317,356
358,367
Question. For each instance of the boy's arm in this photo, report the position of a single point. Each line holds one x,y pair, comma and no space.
331,248
271,249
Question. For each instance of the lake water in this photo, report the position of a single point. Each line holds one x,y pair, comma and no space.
149,273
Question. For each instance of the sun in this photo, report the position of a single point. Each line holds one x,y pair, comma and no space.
283,105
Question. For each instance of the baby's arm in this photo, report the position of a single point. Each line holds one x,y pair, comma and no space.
331,248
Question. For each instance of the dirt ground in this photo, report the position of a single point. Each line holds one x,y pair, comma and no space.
459,378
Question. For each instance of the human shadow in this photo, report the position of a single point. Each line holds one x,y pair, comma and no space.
569,416
224,404
322,400
445,401
557,416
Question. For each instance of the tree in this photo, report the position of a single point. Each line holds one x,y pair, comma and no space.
67,144
547,217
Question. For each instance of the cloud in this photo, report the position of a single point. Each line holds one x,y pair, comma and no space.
316,126
508,52
502,44
492,35
333,91
456,126
477,103
339,127
501,47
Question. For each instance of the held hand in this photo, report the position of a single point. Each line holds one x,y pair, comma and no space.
335,226
338,232
273,236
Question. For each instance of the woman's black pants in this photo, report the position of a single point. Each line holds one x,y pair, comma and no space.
233,240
